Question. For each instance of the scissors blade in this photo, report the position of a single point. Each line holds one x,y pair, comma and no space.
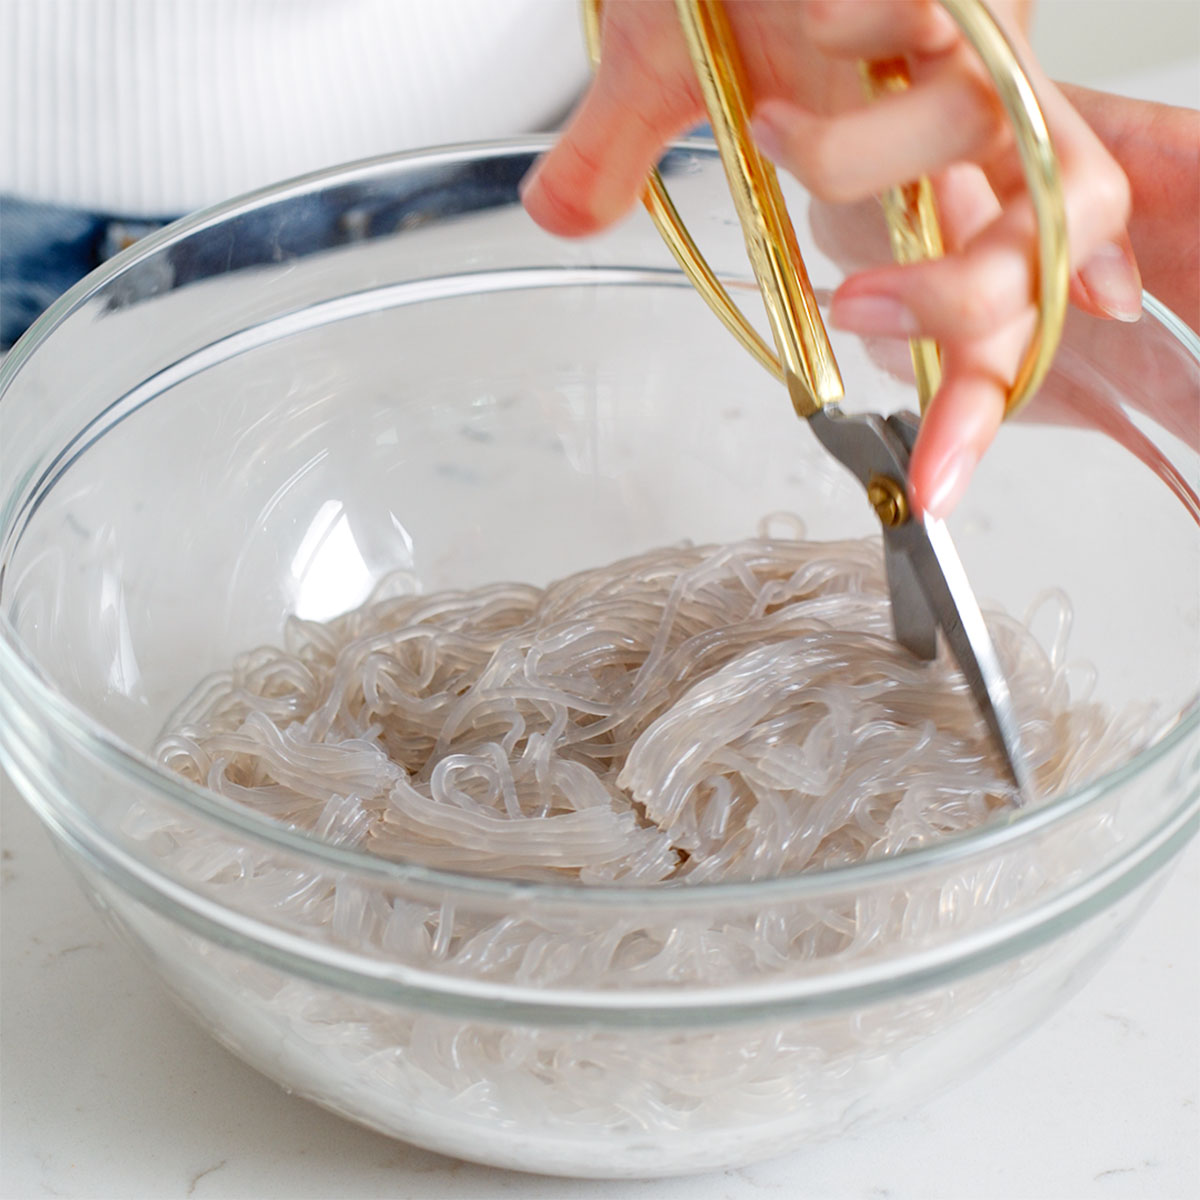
928,585
941,576
913,618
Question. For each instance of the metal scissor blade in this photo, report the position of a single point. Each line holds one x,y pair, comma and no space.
913,618
926,579
939,571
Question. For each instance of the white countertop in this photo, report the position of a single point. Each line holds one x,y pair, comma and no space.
108,1092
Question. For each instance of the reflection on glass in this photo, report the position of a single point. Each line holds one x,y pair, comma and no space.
124,674
330,573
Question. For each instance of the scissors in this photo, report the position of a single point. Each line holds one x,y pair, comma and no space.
927,584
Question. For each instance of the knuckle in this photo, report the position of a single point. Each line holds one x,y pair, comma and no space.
934,31
1099,201
821,21
1110,192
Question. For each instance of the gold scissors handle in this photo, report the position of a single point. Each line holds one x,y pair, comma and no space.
805,358
912,225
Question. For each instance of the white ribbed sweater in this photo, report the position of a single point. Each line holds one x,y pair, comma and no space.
160,106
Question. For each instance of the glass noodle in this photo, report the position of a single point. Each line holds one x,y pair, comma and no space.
694,713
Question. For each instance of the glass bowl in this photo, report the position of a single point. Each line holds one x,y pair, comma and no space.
268,407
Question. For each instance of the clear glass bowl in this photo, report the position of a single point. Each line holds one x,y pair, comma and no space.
267,407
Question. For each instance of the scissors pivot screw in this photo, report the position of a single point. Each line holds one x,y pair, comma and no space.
888,500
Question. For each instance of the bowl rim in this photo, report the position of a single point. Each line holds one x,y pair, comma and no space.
90,736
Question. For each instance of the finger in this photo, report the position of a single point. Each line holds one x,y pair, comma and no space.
1106,281
992,280
850,156
644,94
955,431
967,208
1158,147
595,172
963,417
856,236
966,205
1106,284
877,28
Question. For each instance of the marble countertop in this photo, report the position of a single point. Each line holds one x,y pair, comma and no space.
108,1092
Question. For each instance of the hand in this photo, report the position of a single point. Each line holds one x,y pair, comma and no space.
809,115
1158,147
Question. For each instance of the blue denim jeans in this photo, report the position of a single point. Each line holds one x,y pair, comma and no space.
46,248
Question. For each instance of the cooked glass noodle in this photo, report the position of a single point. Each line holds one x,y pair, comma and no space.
689,715
694,713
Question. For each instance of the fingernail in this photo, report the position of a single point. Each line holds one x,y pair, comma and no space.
950,482
1111,279
883,315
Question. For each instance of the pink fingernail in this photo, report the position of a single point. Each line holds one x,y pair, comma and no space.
950,482
882,315
1111,280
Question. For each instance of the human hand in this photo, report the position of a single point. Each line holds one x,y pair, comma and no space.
1158,147
809,115
1133,359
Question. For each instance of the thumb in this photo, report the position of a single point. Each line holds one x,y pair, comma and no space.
595,173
